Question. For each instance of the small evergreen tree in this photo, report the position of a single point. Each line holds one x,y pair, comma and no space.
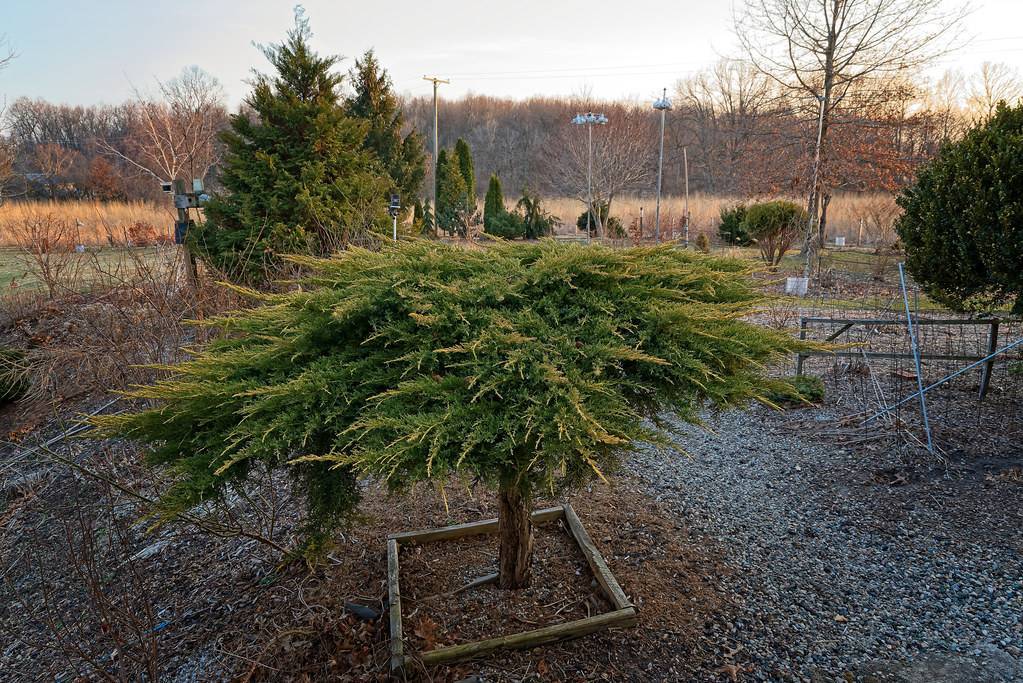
962,221
530,367
493,203
374,101
296,176
612,224
731,228
536,220
427,227
465,166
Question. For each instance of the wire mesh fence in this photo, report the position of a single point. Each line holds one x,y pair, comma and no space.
978,412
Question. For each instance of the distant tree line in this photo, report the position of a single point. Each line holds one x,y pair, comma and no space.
743,133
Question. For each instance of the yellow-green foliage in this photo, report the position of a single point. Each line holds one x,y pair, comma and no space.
531,365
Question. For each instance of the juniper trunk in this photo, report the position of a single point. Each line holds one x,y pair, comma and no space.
515,530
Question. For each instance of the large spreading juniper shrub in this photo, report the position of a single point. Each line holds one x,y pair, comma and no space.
530,367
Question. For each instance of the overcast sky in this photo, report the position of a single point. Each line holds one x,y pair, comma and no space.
88,52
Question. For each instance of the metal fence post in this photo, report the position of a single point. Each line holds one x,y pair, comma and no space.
992,345
916,357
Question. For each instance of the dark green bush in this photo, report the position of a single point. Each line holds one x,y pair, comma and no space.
510,225
962,221
612,224
731,230
774,226
798,389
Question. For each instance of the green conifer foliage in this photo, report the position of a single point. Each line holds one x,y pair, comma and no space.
962,221
465,165
427,228
451,192
296,177
374,101
527,366
493,203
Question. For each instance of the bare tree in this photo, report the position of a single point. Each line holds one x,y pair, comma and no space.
175,136
995,83
822,49
623,158
7,151
6,51
721,113
945,103
54,161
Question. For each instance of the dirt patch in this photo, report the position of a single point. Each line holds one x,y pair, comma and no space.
439,613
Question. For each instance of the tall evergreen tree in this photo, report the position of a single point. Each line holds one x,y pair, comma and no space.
493,204
296,177
451,191
465,166
374,101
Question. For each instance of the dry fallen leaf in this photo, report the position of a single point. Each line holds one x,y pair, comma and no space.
426,628
733,670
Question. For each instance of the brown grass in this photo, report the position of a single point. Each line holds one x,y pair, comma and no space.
93,222
844,213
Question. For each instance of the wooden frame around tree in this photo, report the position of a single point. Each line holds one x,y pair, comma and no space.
623,614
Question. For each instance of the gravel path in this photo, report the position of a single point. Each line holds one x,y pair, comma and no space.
837,573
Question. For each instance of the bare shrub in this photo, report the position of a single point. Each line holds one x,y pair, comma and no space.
879,214
112,632
47,244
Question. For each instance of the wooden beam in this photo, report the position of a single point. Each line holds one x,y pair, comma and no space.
596,561
486,526
528,639
394,598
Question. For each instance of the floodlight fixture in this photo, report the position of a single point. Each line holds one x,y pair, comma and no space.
589,119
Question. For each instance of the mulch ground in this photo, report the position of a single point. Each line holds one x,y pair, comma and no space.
196,607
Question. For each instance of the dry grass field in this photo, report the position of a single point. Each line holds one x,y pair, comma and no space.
844,213
90,223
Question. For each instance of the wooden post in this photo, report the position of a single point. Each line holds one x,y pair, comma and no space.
800,357
394,598
992,346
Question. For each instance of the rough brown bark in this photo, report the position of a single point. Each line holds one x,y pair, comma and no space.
515,531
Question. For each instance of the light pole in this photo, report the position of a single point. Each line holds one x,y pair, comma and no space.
662,105
394,209
588,119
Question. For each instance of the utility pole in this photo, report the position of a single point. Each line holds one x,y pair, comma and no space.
685,167
662,105
436,144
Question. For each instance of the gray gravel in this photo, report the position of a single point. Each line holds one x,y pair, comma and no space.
835,573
